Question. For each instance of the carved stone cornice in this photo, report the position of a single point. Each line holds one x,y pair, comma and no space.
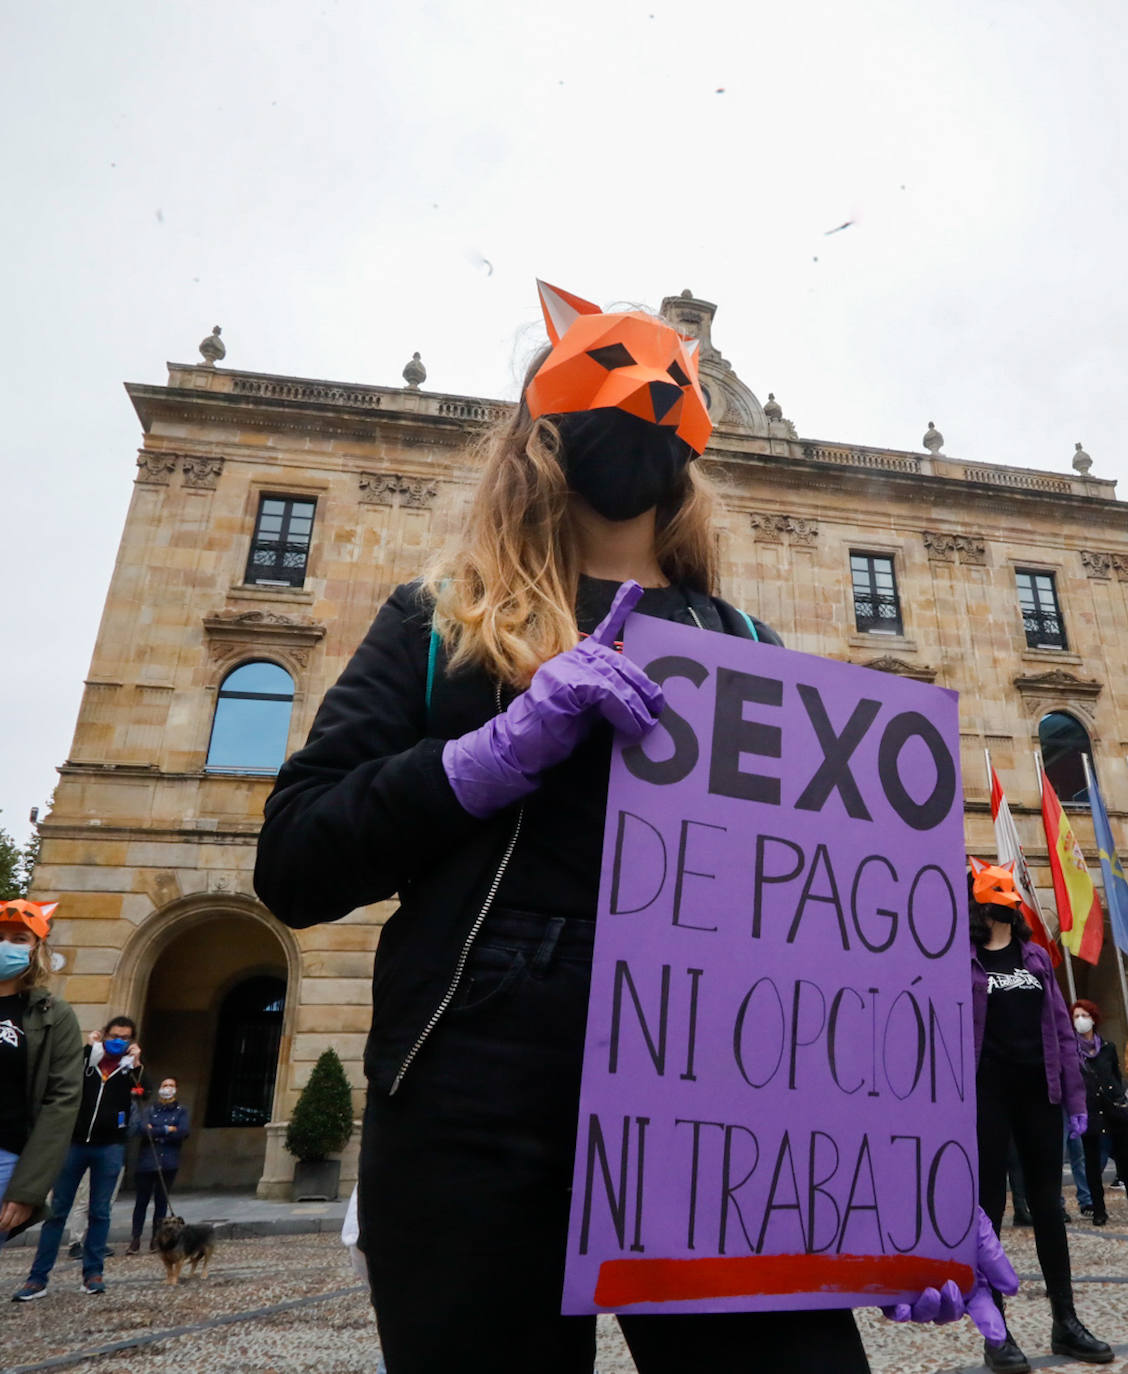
770,526
392,489
201,471
232,634
887,663
155,468
1104,565
1058,683
970,549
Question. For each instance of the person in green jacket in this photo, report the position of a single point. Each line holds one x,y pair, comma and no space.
40,1067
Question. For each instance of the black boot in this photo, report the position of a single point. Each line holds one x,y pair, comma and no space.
1070,1337
1006,1357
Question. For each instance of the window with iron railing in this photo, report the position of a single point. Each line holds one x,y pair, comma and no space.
877,608
280,547
1041,614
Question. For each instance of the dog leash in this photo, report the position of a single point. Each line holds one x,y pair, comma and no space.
160,1171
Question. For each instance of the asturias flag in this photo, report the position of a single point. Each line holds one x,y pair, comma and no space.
1010,851
1115,883
1079,908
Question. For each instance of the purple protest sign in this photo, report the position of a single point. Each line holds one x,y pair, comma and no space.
778,1101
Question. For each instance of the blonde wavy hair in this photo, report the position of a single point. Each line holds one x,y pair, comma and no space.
505,590
39,971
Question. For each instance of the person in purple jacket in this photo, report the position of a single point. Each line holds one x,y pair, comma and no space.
1028,1071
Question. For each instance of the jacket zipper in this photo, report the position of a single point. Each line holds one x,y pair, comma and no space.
97,1107
464,955
468,944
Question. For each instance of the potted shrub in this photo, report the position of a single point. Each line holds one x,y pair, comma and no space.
320,1126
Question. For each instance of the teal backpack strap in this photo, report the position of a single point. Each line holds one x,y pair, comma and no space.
748,621
432,660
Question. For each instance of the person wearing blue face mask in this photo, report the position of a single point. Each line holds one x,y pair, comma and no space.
111,1082
40,1067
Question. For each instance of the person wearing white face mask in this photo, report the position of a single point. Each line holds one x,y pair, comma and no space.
163,1128
1104,1093
40,1067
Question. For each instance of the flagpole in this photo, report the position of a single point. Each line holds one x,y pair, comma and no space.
1064,947
1115,946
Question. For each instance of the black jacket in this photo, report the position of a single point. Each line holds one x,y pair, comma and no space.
1103,1083
365,811
163,1128
103,1117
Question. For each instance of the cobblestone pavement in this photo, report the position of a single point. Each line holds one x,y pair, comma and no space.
291,1305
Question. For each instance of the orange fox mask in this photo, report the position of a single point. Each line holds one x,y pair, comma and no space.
629,362
34,915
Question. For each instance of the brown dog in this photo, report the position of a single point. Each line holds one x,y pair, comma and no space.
178,1243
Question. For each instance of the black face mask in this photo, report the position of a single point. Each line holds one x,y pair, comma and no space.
620,464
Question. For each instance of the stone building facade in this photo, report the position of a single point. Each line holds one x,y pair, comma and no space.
271,516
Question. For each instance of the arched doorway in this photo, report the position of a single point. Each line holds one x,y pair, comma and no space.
216,989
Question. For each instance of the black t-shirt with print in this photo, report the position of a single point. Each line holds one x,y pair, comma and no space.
13,1073
1014,1007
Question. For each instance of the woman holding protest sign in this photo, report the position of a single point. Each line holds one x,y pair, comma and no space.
462,760
1028,1071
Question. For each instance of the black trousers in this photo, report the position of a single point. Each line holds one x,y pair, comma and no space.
1091,1141
146,1186
465,1180
1012,1100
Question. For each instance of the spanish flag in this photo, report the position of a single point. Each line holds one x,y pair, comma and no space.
1079,908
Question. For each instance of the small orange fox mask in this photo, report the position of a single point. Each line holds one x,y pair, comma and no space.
34,915
993,884
630,362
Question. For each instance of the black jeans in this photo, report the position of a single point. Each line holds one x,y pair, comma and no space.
147,1185
465,1179
1012,1100
1091,1141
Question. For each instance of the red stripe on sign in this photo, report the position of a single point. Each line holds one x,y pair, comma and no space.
624,1282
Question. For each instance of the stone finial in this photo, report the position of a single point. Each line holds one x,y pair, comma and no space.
933,440
773,410
1081,460
415,374
213,347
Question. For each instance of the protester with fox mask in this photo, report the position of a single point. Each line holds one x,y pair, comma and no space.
40,1066
1028,1072
461,761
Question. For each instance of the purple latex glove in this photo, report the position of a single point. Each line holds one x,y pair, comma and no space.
992,1270
1078,1125
502,760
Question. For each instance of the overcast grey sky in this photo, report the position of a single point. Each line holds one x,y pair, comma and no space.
327,179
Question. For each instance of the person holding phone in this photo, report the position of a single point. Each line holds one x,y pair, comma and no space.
111,1079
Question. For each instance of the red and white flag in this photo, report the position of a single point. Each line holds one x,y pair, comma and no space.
1010,851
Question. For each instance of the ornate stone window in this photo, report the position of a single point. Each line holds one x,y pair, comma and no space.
877,607
1063,740
280,547
1041,614
252,720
